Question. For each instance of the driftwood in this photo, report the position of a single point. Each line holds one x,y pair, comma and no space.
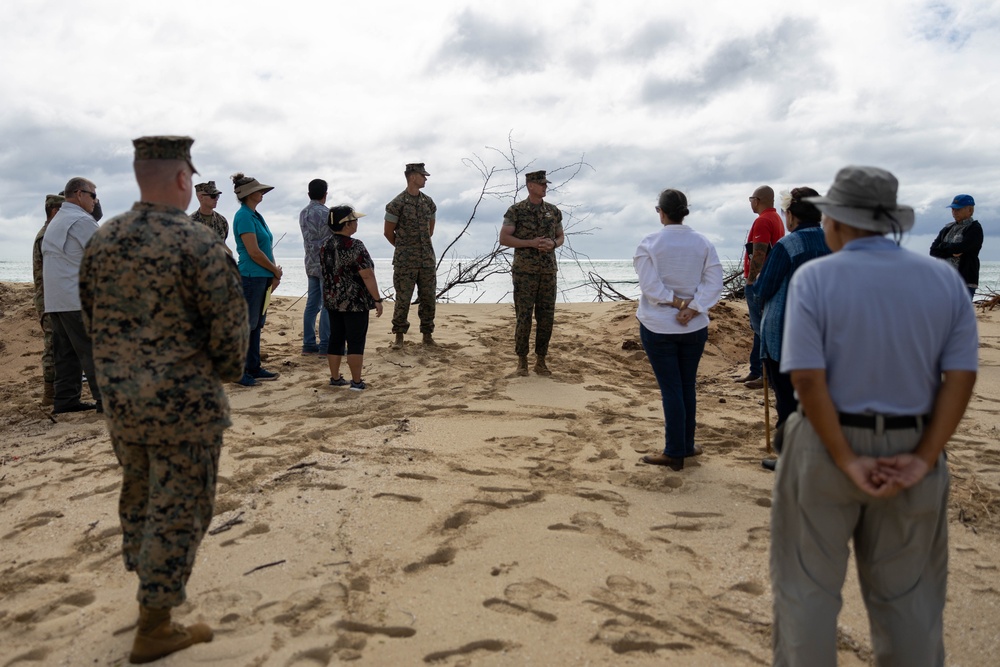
264,566
235,521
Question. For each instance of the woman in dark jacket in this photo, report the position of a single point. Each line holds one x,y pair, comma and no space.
804,242
960,241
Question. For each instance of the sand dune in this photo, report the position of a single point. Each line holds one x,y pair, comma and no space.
453,514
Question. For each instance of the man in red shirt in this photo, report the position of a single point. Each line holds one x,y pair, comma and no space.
764,233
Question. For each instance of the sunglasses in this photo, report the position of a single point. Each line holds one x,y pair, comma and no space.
93,195
215,196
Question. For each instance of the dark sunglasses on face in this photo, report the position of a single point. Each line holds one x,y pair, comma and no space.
215,196
93,195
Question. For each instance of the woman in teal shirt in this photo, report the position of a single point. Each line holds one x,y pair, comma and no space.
256,262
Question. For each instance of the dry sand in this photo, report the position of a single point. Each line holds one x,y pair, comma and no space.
453,514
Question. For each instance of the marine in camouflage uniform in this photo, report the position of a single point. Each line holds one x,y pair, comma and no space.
52,204
208,199
164,306
534,229
409,225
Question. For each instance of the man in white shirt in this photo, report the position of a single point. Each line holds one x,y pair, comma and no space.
62,250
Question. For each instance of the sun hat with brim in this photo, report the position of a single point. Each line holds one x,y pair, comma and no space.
865,197
251,187
353,215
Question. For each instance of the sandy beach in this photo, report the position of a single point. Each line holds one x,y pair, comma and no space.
453,514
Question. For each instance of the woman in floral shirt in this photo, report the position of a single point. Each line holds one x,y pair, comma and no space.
349,292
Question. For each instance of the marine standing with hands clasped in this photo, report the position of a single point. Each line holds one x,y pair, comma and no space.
163,303
533,227
409,226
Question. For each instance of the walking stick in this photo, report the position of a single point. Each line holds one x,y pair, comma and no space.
767,416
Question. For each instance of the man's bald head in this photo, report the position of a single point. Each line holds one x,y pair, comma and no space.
765,194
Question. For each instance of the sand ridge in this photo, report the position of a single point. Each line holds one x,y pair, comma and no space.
453,514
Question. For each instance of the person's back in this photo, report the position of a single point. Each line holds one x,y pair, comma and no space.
900,315
180,342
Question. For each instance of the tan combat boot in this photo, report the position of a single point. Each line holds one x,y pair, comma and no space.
157,636
48,394
429,339
522,365
540,366
398,343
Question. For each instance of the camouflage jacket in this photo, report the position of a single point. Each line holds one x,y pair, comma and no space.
36,271
163,303
217,223
412,217
531,221
314,223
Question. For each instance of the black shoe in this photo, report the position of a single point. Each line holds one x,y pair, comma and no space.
769,464
79,406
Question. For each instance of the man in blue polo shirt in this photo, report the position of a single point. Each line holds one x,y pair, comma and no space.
882,348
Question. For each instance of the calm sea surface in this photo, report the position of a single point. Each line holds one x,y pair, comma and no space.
576,280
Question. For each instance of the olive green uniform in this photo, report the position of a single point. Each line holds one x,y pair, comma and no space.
413,261
534,273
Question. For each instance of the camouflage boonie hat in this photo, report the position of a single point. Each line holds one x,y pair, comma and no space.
207,188
53,200
164,148
417,167
536,177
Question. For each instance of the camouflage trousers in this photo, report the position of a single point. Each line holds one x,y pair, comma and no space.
48,358
403,281
534,293
166,503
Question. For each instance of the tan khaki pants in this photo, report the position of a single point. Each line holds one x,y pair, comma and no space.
900,543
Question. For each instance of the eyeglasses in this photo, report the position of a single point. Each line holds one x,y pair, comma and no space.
215,196
657,208
93,195
753,198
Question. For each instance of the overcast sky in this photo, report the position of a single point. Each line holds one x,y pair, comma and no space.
713,98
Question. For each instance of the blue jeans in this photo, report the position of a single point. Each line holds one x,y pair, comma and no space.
675,358
314,305
253,291
756,313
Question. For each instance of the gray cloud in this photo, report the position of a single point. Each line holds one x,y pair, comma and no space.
505,48
783,53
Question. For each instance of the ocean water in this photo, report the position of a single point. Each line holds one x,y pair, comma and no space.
580,281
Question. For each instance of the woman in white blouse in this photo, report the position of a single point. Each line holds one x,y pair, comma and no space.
680,277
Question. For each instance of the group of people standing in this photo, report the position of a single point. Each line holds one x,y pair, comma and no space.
878,345
873,352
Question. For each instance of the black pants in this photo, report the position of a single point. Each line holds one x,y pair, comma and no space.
784,392
73,357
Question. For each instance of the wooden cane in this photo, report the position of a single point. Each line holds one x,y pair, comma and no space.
767,416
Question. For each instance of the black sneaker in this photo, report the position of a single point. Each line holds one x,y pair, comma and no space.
358,386
339,382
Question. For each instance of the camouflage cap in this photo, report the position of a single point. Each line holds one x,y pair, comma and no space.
536,177
417,167
207,188
53,200
164,148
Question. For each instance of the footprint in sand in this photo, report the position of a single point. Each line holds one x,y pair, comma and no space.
416,476
491,645
505,607
400,496
443,556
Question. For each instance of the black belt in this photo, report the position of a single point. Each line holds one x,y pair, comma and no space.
888,423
